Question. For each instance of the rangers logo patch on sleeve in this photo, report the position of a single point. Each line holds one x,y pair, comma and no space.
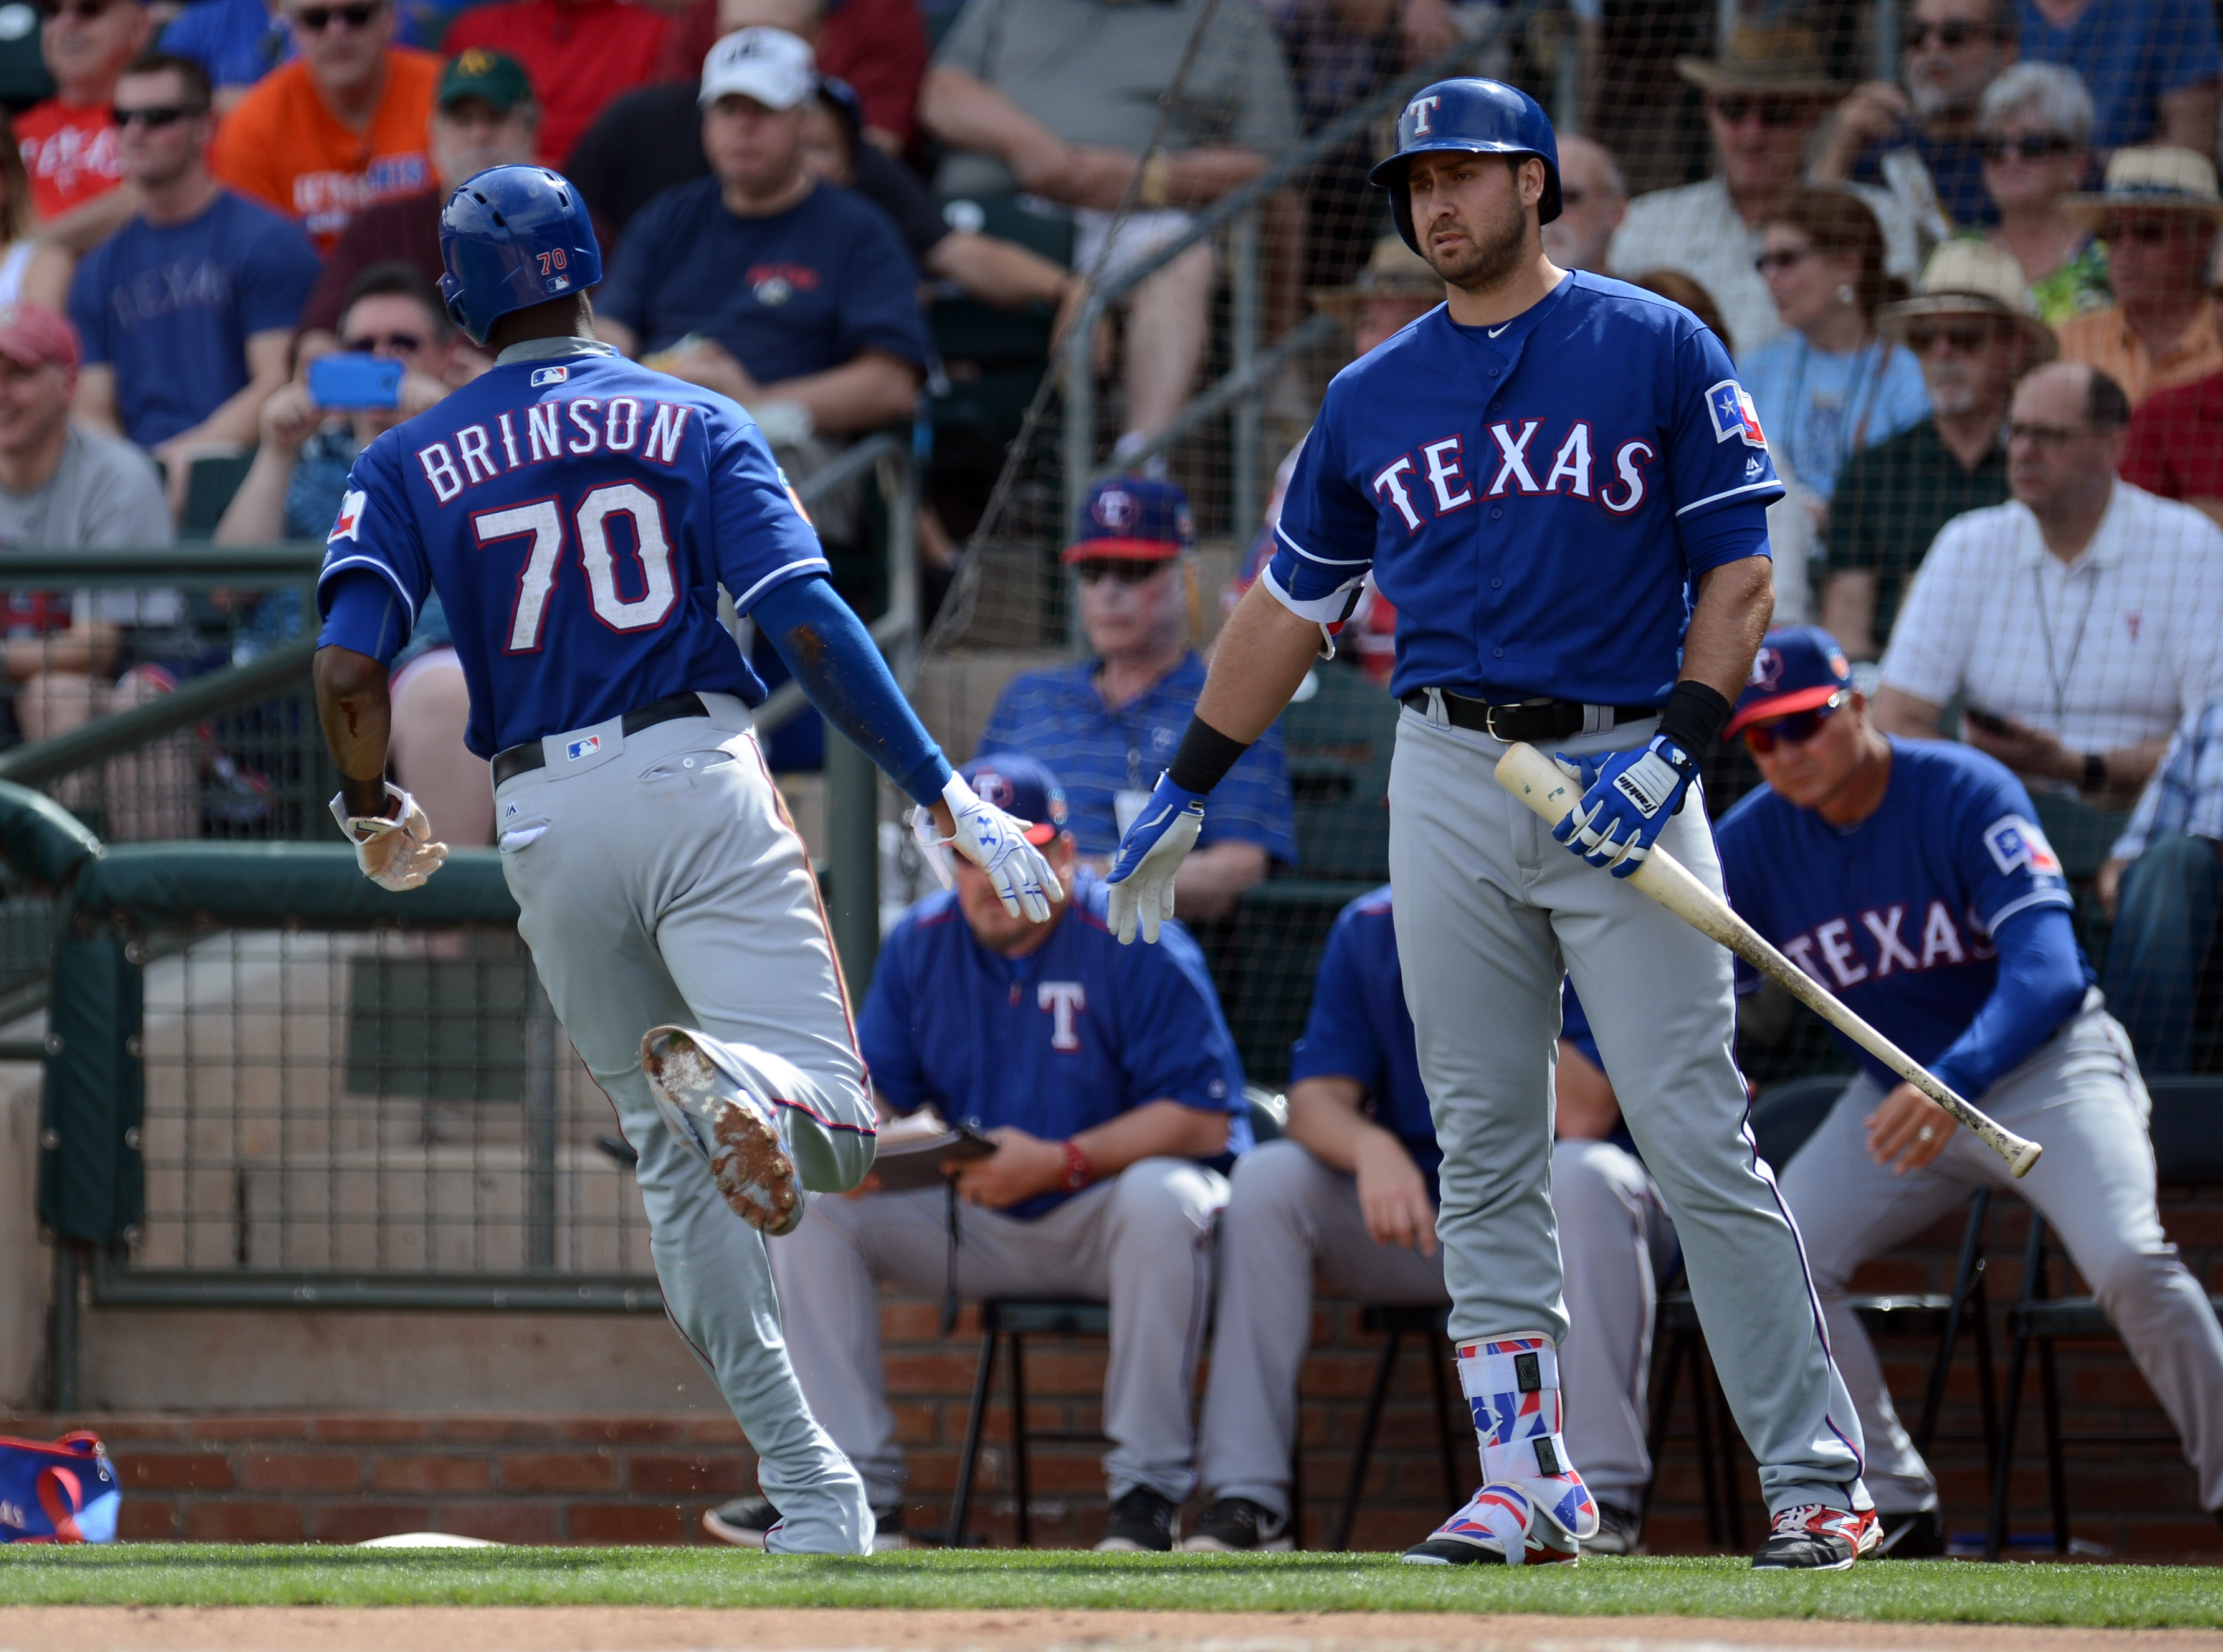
350,516
2016,842
1734,414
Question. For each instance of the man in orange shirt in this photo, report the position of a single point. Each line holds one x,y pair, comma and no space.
2158,214
69,141
340,127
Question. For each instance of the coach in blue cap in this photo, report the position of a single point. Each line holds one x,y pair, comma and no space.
1108,1078
1910,879
1111,723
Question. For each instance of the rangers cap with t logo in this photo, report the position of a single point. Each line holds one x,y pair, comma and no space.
1797,668
1024,790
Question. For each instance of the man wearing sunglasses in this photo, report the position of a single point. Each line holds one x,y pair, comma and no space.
69,141
2158,215
340,127
1912,880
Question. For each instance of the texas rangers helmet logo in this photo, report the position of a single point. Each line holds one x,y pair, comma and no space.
2015,842
1114,508
1734,414
1418,111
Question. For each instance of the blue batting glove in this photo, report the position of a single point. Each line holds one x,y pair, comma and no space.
1141,881
1636,794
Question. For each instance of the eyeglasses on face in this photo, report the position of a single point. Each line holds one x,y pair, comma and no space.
1735,110
154,115
83,12
1795,730
2031,146
1783,258
1958,32
1965,336
2054,437
393,343
317,19
1125,570
2146,232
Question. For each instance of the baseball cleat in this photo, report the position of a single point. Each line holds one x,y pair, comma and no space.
1236,1525
1142,1524
1815,1537
1621,1531
1501,1525
746,1521
717,1119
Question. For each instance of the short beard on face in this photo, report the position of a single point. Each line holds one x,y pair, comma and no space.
1493,252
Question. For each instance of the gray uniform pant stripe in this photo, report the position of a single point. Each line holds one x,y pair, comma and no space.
662,885
1489,912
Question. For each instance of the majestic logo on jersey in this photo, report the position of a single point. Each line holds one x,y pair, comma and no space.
1064,1000
1734,414
2016,842
350,516
585,748
1520,457
1890,940
549,376
579,426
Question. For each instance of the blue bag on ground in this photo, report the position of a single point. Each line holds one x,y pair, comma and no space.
62,1493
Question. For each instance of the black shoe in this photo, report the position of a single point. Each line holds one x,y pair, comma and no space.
1815,1537
1917,1536
1236,1525
744,1521
1142,1524
1621,1531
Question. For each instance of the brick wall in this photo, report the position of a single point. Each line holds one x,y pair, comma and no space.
647,1478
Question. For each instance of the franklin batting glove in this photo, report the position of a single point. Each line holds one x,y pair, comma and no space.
396,854
1636,794
997,844
1141,881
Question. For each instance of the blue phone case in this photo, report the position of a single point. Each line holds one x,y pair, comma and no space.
349,380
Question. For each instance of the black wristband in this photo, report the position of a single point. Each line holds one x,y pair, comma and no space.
1205,757
2095,771
1694,715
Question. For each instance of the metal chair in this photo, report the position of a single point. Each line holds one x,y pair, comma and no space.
1395,1322
2186,1130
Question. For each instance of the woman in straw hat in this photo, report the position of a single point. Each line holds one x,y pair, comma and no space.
2157,215
2036,135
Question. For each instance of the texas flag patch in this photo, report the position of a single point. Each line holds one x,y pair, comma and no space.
350,516
1734,414
2016,842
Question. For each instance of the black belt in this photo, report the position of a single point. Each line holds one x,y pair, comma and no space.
1532,720
524,759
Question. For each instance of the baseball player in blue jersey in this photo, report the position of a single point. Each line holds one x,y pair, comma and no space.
1560,485
1910,878
577,515
1352,1186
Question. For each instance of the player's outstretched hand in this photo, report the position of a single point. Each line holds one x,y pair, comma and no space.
397,853
1634,795
1141,881
997,844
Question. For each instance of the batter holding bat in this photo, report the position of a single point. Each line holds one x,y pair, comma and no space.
1910,879
1558,481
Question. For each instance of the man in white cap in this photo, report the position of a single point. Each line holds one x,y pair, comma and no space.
2157,215
1976,330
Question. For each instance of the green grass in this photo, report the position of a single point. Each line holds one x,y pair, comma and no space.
214,1576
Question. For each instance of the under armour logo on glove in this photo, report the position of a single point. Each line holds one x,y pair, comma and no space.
1633,796
997,845
1150,856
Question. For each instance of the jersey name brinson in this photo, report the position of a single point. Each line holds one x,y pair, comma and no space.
577,425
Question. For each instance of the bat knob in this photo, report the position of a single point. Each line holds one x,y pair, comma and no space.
2019,1165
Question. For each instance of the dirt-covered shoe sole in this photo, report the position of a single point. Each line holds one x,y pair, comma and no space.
748,1161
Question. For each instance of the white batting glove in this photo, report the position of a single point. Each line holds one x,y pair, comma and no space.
1141,890
396,854
997,844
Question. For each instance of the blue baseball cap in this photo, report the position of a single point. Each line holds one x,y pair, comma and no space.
1134,518
1797,668
1023,789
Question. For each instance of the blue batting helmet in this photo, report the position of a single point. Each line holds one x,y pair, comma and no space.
1477,118
512,237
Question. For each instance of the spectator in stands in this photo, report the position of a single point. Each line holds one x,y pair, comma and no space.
483,115
340,129
1765,97
1593,200
2162,885
2176,445
823,336
2152,64
2157,215
878,46
69,141
1976,330
1351,1188
1922,143
2081,621
1832,384
1060,99
237,42
31,267
1679,288
1111,1086
580,54
1111,722
2038,148
187,311
293,489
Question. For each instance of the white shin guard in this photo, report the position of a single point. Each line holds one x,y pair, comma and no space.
1512,1386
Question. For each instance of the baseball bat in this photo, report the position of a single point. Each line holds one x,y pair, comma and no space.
1545,787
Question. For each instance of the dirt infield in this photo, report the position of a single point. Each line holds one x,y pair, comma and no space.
594,1629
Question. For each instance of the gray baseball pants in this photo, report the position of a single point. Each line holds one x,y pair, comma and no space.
1490,910
1140,1241
2079,1097
1287,1212
659,881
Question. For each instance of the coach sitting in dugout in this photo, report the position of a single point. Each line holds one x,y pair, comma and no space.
1910,879
1111,723
1108,1081
1352,1189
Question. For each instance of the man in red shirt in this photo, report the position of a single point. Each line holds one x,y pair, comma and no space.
69,141
580,54
2176,445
